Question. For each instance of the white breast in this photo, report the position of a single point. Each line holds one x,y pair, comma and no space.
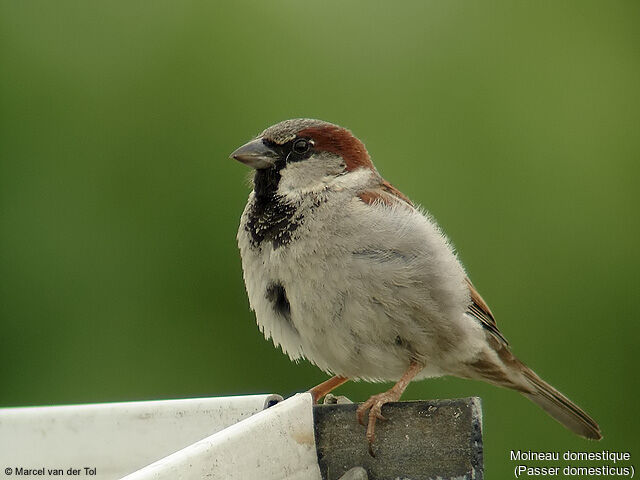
368,288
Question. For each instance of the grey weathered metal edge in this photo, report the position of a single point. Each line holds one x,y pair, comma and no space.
420,441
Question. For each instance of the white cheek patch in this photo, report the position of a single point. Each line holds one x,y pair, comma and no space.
307,176
317,174
298,176
354,179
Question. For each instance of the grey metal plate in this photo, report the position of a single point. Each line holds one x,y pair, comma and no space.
435,439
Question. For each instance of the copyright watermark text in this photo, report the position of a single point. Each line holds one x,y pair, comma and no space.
50,471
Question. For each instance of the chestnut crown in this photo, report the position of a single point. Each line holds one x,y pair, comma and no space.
299,139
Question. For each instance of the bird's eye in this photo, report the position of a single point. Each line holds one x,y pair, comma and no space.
301,146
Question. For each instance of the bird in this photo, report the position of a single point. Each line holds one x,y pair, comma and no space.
344,270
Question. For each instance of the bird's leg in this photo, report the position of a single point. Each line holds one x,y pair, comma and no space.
325,387
375,403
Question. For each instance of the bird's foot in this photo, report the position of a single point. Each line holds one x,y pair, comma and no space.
375,403
374,406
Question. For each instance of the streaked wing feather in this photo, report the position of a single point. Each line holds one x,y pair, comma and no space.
384,193
481,311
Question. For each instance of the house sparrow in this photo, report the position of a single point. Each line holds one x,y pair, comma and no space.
344,270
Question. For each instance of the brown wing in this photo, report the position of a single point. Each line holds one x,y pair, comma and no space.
481,311
385,193
391,190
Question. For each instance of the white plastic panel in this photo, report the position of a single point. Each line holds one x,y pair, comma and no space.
114,438
277,443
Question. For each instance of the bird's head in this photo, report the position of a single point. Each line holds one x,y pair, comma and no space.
303,155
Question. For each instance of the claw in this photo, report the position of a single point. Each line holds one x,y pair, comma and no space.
360,413
371,435
376,412
362,409
375,402
374,407
371,429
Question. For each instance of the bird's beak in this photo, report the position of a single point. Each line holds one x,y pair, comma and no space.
255,154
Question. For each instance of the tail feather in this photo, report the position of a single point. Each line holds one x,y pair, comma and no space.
560,407
500,367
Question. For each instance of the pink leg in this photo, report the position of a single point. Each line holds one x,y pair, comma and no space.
325,387
375,403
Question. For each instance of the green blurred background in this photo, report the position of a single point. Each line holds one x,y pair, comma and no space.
514,123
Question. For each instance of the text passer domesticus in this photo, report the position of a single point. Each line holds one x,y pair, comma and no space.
343,270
